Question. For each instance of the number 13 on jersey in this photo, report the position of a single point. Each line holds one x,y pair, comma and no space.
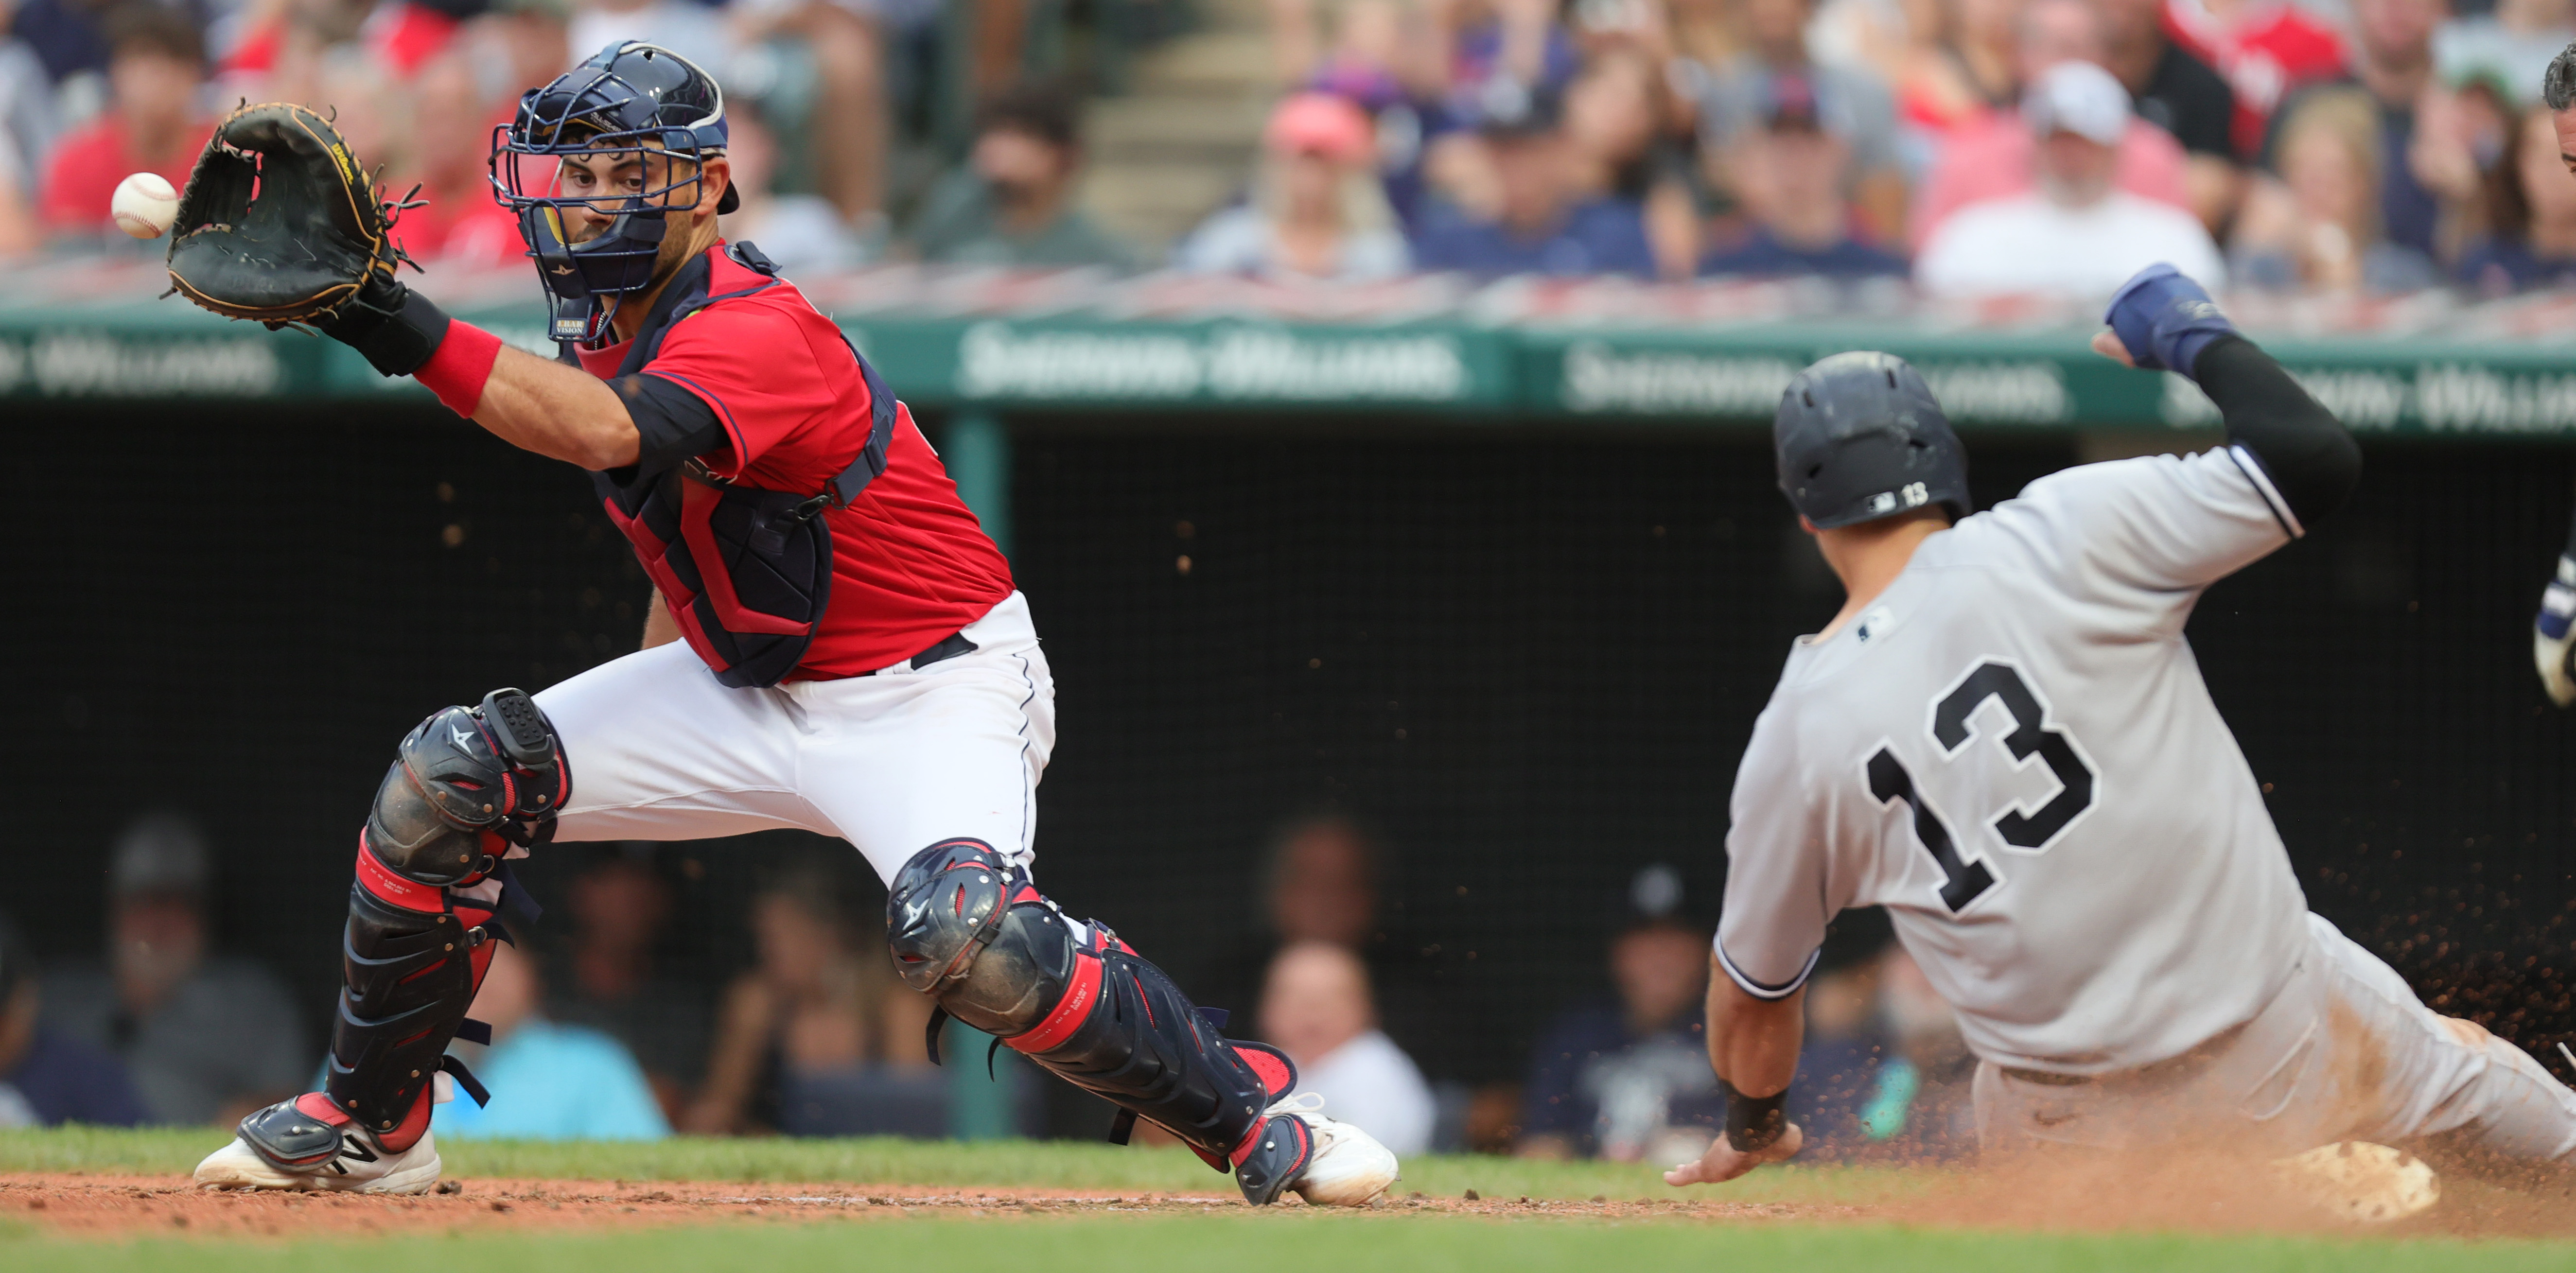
2033,736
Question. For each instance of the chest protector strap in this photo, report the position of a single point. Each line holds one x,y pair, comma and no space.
747,571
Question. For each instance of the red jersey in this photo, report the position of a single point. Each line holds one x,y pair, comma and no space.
2268,49
80,181
910,564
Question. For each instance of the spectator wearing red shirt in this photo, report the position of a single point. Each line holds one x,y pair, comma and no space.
156,61
2265,48
461,224
1992,156
1791,169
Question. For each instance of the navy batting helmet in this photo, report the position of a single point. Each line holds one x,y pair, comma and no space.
629,98
1860,437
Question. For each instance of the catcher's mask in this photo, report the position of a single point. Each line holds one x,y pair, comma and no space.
629,100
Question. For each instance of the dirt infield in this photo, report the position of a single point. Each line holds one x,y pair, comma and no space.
2182,1197
2208,1193
109,1206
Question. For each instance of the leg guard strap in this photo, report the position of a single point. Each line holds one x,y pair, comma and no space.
1000,957
466,785
410,964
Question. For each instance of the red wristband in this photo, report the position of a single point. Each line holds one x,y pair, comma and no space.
457,370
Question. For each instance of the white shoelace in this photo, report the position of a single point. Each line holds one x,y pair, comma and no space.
1309,1106
1309,1102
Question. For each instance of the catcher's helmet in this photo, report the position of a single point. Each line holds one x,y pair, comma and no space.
1860,437
628,98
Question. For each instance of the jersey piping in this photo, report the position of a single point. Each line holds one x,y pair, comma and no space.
1759,990
2252,466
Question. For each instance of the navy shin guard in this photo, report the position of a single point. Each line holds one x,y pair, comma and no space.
966,929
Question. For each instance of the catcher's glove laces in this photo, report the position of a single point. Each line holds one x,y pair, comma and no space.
279,225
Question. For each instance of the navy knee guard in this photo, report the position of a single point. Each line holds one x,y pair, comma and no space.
979,939
467,784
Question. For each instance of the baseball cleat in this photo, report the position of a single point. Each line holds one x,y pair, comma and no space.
309,1144
1343,1166
2364,1183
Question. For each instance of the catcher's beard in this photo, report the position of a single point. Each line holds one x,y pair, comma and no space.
680,242
684,235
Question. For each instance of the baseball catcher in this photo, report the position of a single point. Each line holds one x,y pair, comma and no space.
2003,739
834,643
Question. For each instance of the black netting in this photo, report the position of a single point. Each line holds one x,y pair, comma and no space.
1527,664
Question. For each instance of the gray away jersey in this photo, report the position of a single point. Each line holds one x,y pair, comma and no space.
2012,750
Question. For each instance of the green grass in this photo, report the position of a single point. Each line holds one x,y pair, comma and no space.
1224,1239
1241,1242
885,1160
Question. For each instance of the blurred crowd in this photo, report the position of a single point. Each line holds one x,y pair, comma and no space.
1983,146
599,1033
1980,147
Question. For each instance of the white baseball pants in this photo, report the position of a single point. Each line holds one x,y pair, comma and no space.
2345,1052
893,762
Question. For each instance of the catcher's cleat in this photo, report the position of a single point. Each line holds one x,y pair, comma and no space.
308,1143
2362,1182
1324,1160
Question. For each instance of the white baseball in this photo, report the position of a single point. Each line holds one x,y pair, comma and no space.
145,205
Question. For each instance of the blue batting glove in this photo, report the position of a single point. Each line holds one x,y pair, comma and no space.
2553,636
2165,319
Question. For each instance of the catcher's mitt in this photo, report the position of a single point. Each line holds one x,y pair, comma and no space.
303,246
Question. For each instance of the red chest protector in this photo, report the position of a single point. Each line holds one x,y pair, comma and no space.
746,571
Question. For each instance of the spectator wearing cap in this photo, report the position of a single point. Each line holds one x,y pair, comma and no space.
1790,172
1012,204
1316,1007
2078,236
1628,1080
2319,228
2173,89
1994,155
1316,211
155,65
46,1077
1543,221
1383,60
207,1038
1861,108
